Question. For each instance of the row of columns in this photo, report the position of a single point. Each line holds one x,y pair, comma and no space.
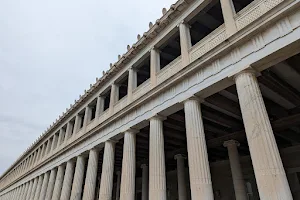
267,164
228,11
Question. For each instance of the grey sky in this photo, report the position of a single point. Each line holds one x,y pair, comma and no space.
50,51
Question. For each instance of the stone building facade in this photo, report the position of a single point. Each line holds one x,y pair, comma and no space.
205,105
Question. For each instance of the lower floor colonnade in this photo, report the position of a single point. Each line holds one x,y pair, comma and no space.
115,170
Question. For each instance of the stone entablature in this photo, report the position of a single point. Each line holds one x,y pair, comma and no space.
167,93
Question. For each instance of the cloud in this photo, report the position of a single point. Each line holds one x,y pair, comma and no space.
50,51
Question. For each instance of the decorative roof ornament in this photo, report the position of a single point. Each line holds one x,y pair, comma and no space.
150,24
119,57
164,11
128,47
110,65
138,36
103,73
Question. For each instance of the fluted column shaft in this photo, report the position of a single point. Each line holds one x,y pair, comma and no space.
38,188
236,170
23,195
268,168
145,182
157,168
128,166
32,193
28,194
78,178
44,186
118,185
51,184
182,195
107,175
58,182
68,179
200,177
91,175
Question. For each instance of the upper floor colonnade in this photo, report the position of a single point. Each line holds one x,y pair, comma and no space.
207,47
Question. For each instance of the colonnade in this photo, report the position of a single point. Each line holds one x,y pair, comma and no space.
67,180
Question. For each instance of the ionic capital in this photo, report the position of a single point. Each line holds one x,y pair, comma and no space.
231,143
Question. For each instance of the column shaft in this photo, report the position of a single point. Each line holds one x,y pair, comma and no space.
132,83
145,182
51,184
182,195
107,174
228,15
23,196
58,182
118,185
200,178
157,168
68,179
99,106
78,178
44,186
185,42
29,190
114,96
154,66
91,175
68,132
128,167
268,168
32,193
38,188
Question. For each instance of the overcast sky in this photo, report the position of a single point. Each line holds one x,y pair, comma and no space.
51,50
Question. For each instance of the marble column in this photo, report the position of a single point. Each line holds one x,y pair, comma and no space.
145,182
200,177
154,66
51,184
39,187
132,83
54,142
91,175
78,178
68,131
58,182
28,193
32,193
267,164
182,194
107,175
114,97
128,166
185,42
118,185
157,168
236,170
44,186
68,179
60,137
228,15
99,107
23,196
